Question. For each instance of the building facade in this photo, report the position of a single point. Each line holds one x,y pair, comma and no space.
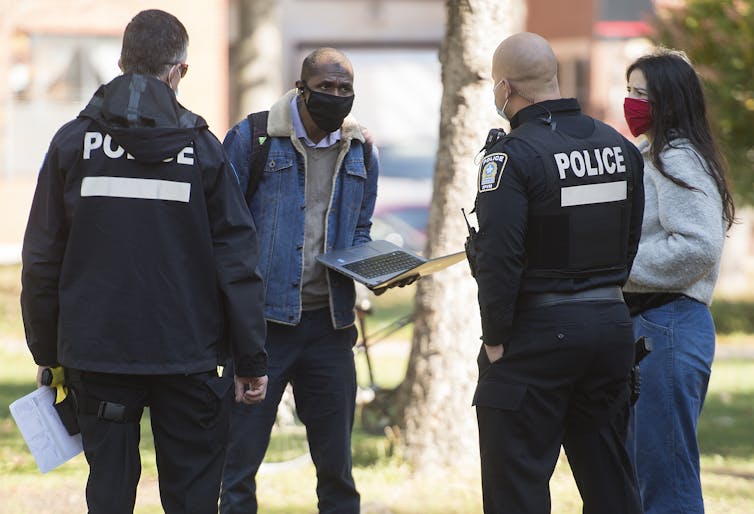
59,52
243,54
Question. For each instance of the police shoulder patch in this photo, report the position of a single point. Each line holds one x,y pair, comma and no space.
491,170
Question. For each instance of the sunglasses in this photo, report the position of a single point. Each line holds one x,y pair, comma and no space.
182,66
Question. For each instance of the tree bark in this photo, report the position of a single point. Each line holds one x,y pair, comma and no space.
255,57
435,413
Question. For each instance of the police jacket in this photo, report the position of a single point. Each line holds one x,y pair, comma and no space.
280,222
140,255
559,203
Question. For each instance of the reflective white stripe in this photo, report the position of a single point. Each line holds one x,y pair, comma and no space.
145,188
593,193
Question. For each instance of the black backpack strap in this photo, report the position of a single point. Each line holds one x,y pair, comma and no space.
260,149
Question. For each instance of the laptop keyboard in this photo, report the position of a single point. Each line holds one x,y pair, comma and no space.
384,264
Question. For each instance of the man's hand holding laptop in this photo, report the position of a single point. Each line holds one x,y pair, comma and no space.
402,283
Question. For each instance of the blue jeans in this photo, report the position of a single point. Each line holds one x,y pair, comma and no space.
318,361
674,377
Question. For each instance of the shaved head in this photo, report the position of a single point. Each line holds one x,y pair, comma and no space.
320,58
527,61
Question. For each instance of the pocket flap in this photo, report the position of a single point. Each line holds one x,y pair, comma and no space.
499,395
220,385
278,162
356,168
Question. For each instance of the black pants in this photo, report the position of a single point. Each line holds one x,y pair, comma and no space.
190,417
563,379
318,361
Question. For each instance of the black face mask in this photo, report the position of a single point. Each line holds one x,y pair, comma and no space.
328,111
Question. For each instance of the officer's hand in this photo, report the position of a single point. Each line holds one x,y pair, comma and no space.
407,281
494,353
40,370
401,283
250,390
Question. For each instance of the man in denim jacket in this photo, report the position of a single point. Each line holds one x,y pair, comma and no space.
316,194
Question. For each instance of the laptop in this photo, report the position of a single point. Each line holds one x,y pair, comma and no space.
380,263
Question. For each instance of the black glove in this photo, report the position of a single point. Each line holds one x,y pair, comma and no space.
401,283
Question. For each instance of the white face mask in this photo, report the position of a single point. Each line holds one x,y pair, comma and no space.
501,111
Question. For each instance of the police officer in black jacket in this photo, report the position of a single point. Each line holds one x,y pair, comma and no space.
559,205
139,275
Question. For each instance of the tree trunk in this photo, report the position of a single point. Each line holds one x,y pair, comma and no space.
255,57
439,424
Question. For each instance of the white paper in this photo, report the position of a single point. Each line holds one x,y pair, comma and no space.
43,431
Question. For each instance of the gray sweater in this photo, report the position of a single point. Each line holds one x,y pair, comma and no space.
683,230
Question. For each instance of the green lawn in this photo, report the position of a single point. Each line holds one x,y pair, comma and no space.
385,482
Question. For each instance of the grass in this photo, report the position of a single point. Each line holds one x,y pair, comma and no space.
386,483
725,428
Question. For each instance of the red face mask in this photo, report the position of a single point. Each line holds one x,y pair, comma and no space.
638,115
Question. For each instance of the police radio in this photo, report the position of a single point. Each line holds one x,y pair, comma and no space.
493,136
470,244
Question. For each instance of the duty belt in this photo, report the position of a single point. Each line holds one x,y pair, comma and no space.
598,294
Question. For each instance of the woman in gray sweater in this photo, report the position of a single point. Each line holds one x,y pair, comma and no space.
688,209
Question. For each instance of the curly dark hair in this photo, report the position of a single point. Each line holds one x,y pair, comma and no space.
679,109
152,42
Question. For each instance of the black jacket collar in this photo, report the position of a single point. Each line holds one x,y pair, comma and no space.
545,109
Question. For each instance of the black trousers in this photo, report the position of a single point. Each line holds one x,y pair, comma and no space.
318,361
190,418
563,380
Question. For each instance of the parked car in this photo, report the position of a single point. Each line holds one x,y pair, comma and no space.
402,224
404,193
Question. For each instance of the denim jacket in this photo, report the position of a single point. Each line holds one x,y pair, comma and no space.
278,210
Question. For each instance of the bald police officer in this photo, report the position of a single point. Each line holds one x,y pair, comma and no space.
559,205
